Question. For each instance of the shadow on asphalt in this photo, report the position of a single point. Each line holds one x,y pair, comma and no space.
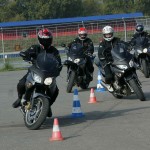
147,95
134,97
88,116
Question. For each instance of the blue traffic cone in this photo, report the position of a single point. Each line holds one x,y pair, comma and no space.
100,88
76,110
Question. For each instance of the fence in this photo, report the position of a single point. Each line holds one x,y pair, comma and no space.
16,39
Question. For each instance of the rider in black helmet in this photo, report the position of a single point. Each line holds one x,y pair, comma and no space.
139,33
45,39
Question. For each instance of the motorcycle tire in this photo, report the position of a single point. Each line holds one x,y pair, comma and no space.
137,90
117,96
71,81
35,117
145,68
84,85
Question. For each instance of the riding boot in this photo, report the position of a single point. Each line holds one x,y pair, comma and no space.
49,112
17,103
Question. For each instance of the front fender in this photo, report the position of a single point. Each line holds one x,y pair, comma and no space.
129,77
142,56
35,95
132,76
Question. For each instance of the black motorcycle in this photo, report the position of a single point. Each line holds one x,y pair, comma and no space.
126,80
142,56
41,78
77,72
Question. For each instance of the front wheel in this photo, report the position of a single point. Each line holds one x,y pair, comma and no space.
137,90
145,67
117,96
71,81
84,85
36,115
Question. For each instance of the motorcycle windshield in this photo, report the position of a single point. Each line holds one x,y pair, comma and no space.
47,64
120,54
76,51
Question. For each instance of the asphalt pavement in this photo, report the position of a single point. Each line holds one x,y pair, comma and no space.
110,124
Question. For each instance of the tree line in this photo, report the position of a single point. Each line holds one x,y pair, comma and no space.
23,10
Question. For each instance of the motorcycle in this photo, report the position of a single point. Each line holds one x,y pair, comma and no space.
126,81
142,56
77,72
41,78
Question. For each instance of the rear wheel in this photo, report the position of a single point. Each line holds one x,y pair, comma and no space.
137,90
35,116
71,81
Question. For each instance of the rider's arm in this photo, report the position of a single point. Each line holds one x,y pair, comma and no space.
74,41
29,53
101,51
104,53
90,46
57,55
132,42
148,36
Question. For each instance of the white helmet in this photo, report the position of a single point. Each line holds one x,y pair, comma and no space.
108,32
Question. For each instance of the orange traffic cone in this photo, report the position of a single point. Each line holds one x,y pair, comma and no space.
92,97
56,135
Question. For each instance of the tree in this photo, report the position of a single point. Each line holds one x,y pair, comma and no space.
91,7
19,10
42,9
118,6
143,6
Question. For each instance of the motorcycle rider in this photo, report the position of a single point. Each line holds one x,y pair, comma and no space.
142,35
104,53
139,33
45,39
87,47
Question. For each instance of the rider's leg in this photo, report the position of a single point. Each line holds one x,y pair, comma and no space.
90,68
21,91
52,93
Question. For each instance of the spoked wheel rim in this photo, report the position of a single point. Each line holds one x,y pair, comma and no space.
33,114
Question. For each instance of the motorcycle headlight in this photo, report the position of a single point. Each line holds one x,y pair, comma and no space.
37,78
124,67
76,60
48,81
131,63
145,50
69,58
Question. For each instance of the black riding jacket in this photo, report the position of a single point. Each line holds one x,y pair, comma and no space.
104,51
87,44
143,36
31,53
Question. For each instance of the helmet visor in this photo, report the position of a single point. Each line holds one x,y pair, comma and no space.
108,35
139,29
45,42
83,36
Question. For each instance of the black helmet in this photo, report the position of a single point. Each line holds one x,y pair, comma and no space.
45,38
139,28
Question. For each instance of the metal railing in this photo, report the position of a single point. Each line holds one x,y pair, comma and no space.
16,39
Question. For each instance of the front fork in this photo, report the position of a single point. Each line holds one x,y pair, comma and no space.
134,75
